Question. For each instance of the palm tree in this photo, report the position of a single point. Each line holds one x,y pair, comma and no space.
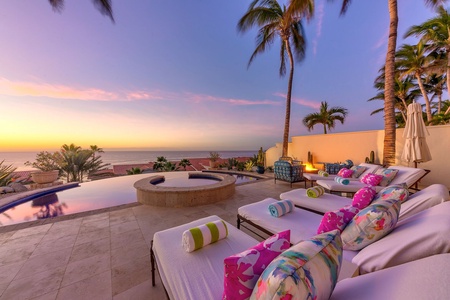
134,171
326,116
436,84
274,20
413,61
5,173
406,91
435,32
184,163
104,6
161,161
389,108
76,163
96,149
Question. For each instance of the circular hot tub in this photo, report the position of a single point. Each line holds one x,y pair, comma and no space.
180,189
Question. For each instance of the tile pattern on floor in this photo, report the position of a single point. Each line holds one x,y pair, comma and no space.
104,255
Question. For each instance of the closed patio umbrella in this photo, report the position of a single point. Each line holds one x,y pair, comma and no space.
416,148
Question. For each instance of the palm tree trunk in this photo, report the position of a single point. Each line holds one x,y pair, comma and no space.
405,109
389,101
448,70
324,129
425,97
287,119
439,103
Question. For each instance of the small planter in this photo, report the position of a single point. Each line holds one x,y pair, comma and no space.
260,169
45,177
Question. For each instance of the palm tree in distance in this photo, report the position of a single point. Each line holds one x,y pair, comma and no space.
95,149
389,101
326,116
435,32
413,61
104,6
184,163
276,21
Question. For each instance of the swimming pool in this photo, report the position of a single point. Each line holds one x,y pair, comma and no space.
86,197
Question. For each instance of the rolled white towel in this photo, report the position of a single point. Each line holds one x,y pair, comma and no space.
322,173
280,208
200,236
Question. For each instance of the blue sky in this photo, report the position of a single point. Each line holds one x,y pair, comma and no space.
172,75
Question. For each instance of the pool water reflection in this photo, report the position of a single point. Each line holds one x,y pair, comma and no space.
88,196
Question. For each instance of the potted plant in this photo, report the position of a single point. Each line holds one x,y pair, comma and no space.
260,161
213,158
47,164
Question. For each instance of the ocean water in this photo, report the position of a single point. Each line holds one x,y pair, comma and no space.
18,159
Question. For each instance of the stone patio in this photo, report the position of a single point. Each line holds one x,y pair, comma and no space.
104,255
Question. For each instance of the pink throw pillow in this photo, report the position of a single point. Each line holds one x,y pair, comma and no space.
243,270
345,173
363,197
337,219
372,179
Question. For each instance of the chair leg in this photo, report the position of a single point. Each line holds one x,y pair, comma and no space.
152,260
238,223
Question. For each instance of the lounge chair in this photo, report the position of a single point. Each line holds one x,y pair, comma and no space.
370,168
196,275
200,274
428,197
426,278
405,175
419,235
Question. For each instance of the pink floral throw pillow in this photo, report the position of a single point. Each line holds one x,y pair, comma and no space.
345,173
243,270
372,179
363,197
337,219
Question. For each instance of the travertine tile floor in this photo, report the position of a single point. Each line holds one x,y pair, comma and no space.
105,255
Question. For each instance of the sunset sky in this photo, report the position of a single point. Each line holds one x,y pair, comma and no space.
172,75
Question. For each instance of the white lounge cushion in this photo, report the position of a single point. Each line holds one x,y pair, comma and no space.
423,234
370,168
427,278
302,223
352,187
405,175
426,198
324,203
199,274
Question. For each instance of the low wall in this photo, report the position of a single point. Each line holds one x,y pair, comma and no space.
337,147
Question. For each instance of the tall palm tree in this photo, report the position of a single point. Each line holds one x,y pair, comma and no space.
435,32
104,6
413,61
276,21
326,116
389,108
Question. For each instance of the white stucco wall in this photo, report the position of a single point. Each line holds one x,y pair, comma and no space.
337,147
